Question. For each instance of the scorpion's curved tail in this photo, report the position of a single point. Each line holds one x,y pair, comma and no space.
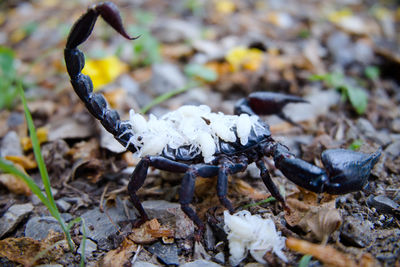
82,84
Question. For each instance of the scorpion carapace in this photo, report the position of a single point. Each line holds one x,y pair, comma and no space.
197,142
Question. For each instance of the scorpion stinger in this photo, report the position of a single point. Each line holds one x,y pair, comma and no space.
197,142
82,84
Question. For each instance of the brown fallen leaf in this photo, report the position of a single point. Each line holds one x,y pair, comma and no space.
329,255
92,169
246,189
149,232
317,219
14,183
119,256
115,97
85,150
28,251
321,222
26,162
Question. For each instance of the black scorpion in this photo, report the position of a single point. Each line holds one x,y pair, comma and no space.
346,170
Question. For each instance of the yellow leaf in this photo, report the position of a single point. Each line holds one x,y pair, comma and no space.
41,135
25,162
337,16
382,13
246,58
17,35
225,6
104,70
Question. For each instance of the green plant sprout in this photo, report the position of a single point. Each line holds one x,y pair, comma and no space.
305,260
8,77
264,201
356,144
358,97
48,199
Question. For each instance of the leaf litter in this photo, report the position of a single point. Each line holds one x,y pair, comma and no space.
230,48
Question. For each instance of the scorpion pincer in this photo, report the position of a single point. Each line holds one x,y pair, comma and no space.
197,142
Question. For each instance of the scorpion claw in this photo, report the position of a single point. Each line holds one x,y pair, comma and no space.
267,103
346,170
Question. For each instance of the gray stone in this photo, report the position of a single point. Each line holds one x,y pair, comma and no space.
38,227
174,30
393,150
90,246
356,232
14,215
10,145
220,258
366,128
108,141
168,254
396,125
201,263
63,205
209,238
71,128
171,214
318,104
99,227
49,265
383,204
339,45
143,264
199,252
166,77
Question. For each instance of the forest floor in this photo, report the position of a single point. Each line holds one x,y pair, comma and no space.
342,56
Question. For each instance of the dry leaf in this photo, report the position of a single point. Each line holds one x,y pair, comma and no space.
104,70
42,135
225,6
321,222
328,255
246,189
149,232
119,256
115,97
25,162
246,58
319,219
25,250
14,183
85,150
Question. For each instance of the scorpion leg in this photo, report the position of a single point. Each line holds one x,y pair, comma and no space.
222,188
227,167
267,103
135,183
186,191
140,174
266,178
346,170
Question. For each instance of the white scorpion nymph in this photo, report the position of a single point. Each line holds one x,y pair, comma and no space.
195,126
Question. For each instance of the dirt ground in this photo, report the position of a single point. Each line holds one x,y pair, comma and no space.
341,56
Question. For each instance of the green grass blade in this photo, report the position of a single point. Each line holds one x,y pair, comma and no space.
8,168
83,244
36,147
259,203
305,261
42,168
166,96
